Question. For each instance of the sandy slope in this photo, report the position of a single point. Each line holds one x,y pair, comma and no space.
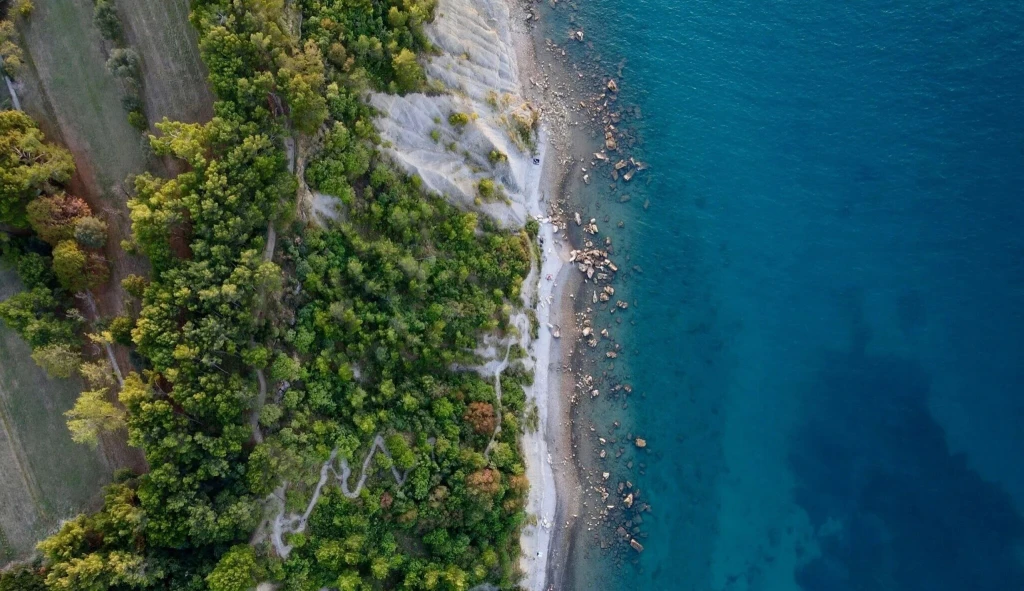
480,65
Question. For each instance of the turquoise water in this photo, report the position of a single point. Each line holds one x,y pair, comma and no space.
828,327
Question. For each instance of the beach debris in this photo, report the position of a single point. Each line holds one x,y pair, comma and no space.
556,332
604,332
604,297
576,217
591,227
578,35
611,354
628,501
605,475
586,179
636,545
603,454
629,175
587,331
601,156
622,304
620,165
640,442
594,394
612,86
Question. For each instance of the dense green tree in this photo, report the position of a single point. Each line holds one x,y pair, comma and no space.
22,579
237,570
408,74
78,270
11,57
28,166
92,415
107,21
39,317
60,360
54,218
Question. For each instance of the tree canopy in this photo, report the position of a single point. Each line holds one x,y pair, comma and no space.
29,166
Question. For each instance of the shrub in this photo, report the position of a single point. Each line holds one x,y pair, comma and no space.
135,285
24,7
497,156
121,329
105,17
125,64
487,189
91,232
137,119
458,119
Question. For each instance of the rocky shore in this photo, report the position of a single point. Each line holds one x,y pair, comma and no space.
499,67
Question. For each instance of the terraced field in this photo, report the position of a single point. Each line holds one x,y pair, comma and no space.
44,476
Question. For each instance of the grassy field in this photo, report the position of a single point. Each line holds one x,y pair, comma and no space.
175,79
65,52
44,476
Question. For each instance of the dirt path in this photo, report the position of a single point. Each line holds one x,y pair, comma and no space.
254,414
14,95
261,397
288,524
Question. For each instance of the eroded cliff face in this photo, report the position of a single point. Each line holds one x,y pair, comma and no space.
478,70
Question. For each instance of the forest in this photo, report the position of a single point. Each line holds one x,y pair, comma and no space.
264,343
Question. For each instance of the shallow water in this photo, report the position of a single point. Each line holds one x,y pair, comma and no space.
826,356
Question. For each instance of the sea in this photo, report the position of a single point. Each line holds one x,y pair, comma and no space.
824,263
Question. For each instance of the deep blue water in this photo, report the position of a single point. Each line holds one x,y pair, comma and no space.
831,315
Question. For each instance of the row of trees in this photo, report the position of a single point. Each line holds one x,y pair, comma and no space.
122,61
53,240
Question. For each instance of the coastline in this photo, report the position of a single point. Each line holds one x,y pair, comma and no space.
553,498
489,63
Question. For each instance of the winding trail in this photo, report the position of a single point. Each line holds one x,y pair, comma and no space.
286,524
295,523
